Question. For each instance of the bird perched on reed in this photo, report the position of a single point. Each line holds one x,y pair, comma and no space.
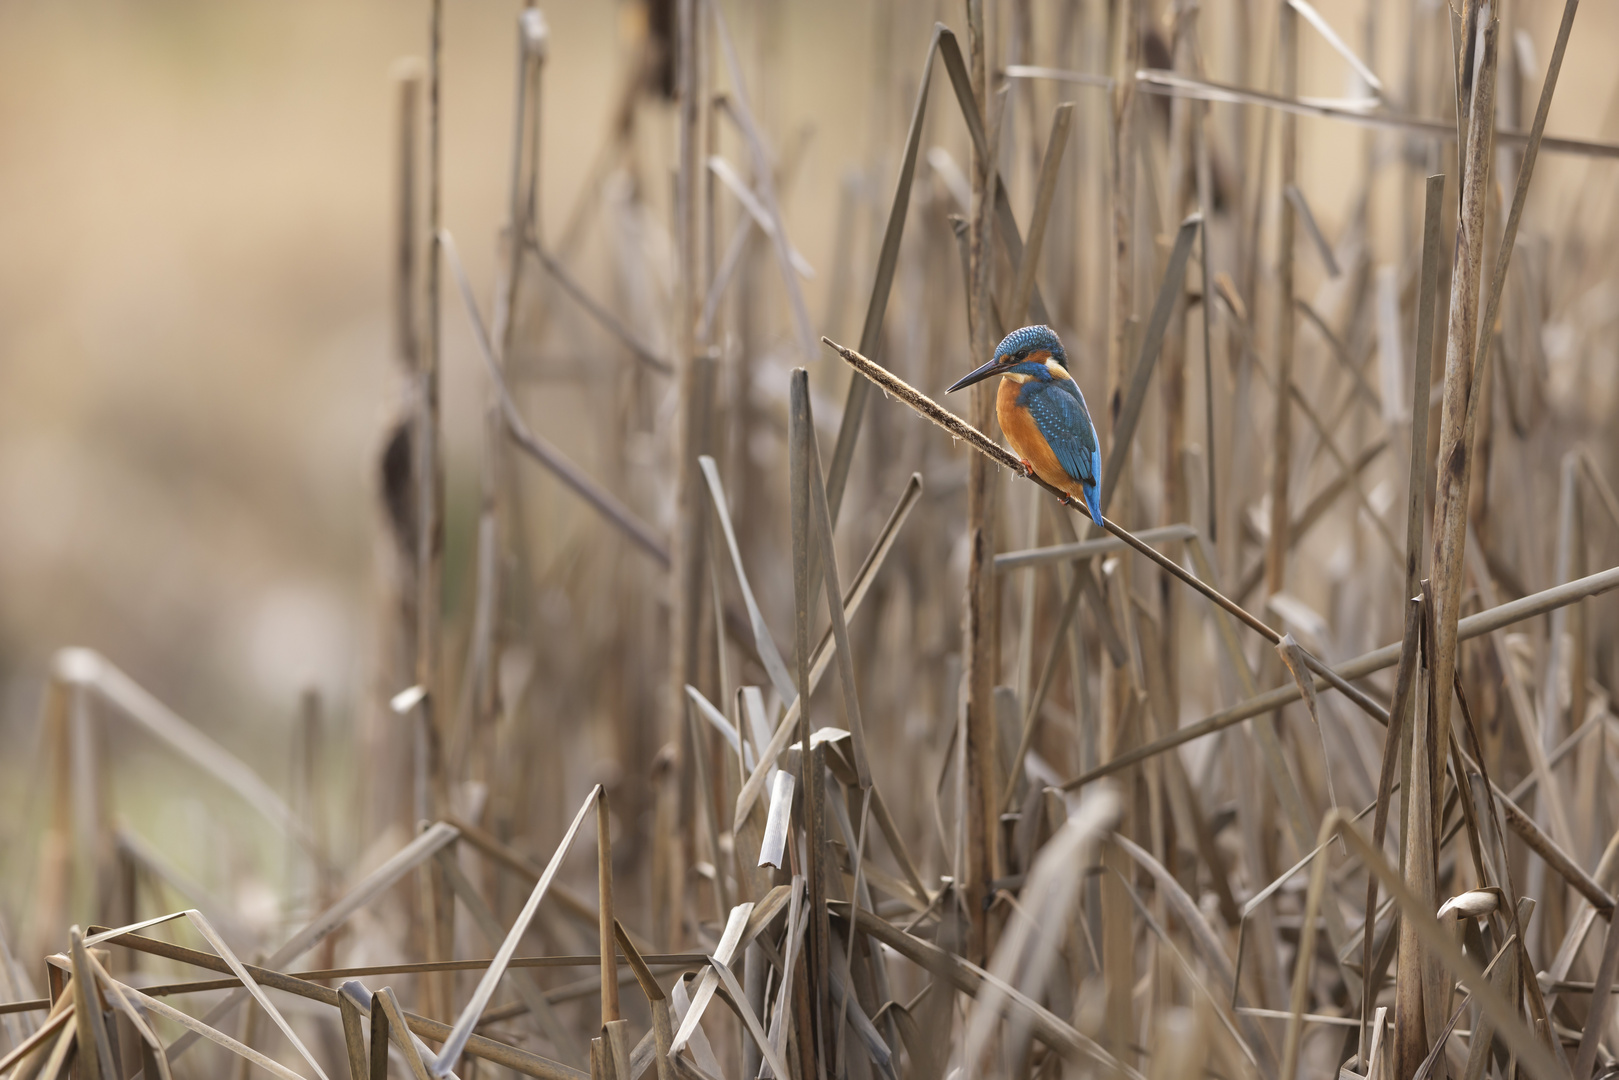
1043,414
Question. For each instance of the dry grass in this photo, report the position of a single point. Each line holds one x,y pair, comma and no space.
1255,785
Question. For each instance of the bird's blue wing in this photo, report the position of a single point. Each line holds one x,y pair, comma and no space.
1066,426
1058,410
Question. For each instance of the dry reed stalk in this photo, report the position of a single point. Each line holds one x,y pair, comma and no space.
1416,1025
1118,966
1358,668
428,472
545,1019
1154,81
814,1037
670,839
980,811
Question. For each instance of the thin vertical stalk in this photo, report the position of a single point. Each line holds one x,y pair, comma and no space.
817,959
1205,209
1118,964
1421,380
1175,506
1551,710
1450,506
604,910
429,466
687,563
1287,47
429,474
871,330
981,814
406,330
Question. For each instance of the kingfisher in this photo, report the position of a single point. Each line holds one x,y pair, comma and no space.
1043,414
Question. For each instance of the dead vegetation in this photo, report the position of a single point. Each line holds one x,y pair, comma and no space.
1252,782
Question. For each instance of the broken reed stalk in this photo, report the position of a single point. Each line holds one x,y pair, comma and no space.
604,894
603,501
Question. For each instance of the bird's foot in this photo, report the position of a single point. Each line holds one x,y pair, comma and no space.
1028,469
1067,500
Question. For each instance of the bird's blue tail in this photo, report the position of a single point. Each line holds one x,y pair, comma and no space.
1093,489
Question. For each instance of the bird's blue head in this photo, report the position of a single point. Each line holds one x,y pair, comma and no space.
1033,352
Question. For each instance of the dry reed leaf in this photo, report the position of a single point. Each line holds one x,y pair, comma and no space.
598,311
88,668
354,1043
384,1003
821,522
1301,207
750,202
213,1035
769,656
1293,657
1048,669
1152,341
51,1067
197,919
876,1047
95,1059
457,1039
500,1053
719,723
731,940
15,986
788,726
1045,189
1248,1059
60,1016
153,862
882,283
1324,28
1532,1055
739,1001
1028,944
774,847
546,1021
973,980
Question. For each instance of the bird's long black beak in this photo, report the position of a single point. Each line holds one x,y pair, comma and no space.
977,376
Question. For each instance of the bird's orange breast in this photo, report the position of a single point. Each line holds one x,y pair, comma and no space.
1027,442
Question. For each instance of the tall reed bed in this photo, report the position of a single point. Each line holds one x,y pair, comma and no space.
894,766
